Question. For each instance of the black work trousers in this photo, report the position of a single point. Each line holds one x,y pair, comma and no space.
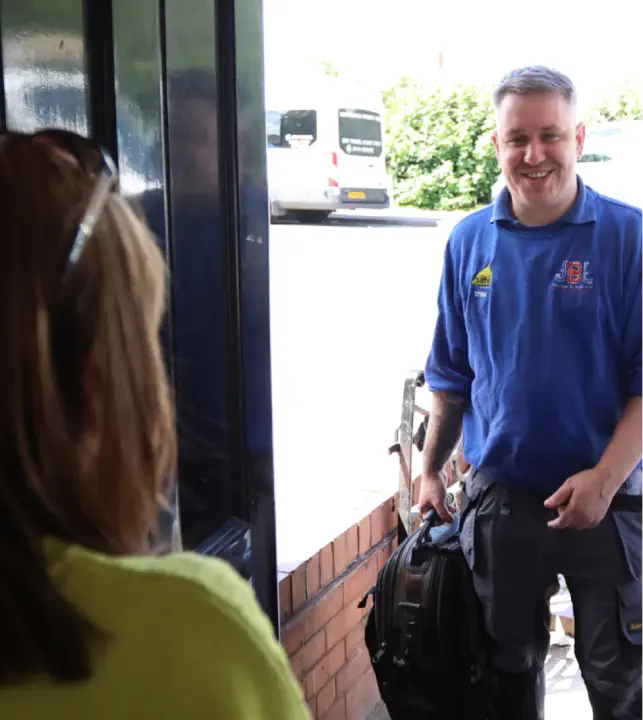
516,558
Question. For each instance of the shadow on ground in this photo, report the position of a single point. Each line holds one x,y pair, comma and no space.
361,219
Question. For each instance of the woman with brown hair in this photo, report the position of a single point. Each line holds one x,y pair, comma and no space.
91,624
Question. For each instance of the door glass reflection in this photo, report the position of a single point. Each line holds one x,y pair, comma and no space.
208,495
137,75
138,96
43,57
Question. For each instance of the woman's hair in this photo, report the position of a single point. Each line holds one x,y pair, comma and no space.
88,466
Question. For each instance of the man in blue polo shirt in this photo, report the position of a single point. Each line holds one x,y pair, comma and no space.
537,359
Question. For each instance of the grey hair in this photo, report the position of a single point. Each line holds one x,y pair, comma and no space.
534,79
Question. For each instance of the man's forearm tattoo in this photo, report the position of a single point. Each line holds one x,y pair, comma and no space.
443,432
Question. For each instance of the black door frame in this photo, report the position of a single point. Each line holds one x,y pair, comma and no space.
245,222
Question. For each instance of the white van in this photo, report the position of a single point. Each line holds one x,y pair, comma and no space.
325,149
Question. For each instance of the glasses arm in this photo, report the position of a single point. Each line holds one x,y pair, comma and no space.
104,185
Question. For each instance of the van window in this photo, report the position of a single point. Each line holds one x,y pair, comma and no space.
273,127
360,132
291,129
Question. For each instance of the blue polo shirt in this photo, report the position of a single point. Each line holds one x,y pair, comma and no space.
540,327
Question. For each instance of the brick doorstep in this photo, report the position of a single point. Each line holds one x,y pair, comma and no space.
323,628
324,635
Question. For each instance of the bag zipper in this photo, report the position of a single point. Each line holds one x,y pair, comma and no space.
384,592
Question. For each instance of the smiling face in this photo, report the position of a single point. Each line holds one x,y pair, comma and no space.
538,144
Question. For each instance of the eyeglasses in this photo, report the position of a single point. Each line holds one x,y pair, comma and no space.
92,159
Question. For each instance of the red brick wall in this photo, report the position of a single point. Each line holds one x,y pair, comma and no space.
322,627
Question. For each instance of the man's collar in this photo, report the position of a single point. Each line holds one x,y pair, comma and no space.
582,211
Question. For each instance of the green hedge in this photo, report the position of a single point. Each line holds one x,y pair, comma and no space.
439,141
439,145
624,103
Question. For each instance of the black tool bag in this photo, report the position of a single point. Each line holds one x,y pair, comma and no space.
425,634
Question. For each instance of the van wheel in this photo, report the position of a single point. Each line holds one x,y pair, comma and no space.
311,216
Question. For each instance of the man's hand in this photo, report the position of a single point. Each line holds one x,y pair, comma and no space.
433,495
582,501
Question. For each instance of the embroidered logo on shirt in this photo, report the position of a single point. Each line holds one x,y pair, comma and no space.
483,278
573,275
